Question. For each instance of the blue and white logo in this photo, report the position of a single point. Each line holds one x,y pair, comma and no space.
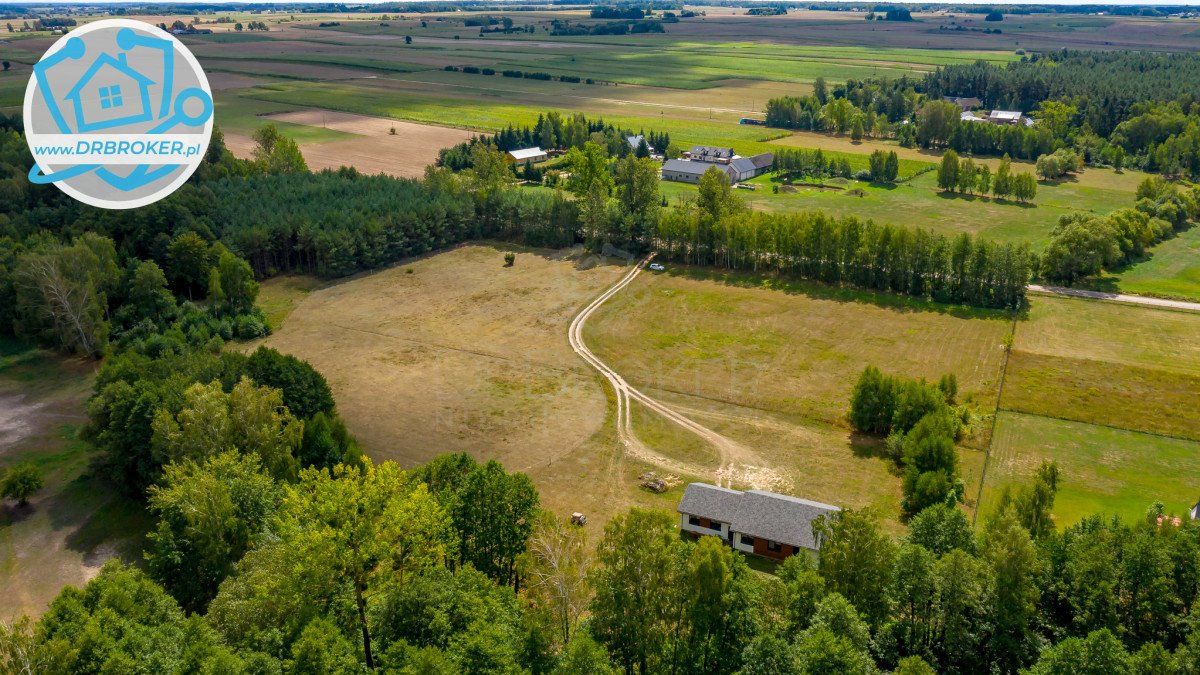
118,114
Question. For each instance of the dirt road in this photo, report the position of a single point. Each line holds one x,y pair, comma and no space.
1117,297
737,463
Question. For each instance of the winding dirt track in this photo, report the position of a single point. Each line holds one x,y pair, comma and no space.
736,461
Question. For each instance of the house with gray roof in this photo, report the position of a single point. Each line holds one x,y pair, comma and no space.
709,153
762,523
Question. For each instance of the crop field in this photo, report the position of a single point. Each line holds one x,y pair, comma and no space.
377,145
75,522
1123,366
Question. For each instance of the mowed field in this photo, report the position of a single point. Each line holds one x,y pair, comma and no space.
76,521
460,354
1110,391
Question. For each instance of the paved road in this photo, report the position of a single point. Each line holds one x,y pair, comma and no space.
1117,297
737,462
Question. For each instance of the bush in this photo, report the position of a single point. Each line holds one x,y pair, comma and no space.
21,482
249,327
510,259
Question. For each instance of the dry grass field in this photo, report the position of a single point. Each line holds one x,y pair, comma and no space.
371,146
771,365
460,354
464,354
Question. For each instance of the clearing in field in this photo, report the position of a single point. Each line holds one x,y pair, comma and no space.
1104,470
76,521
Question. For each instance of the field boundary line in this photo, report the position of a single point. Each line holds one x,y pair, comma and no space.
1102,425
987,452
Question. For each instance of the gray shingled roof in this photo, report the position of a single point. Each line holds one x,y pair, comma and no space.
710,501
763,160
757,513
742,165
779,517
711,151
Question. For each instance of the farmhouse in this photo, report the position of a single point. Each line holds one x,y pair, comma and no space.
763,523
708,153
527,155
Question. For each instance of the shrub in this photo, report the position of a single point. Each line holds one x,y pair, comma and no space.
21,482
510,259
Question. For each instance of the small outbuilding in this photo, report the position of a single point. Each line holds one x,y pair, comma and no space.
524,155
1005,117
688,171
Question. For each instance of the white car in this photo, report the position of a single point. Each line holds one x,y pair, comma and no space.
656,267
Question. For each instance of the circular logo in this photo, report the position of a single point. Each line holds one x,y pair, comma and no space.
118,114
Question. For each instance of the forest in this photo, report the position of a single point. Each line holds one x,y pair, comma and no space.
1115,108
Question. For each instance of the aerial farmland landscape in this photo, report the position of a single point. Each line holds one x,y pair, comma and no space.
641,337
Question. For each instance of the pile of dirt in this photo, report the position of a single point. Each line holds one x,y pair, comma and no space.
655,483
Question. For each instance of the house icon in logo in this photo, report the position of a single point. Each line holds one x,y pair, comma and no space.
110,94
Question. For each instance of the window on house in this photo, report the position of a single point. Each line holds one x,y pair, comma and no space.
110,97
714,525
747,540
693,520
774,546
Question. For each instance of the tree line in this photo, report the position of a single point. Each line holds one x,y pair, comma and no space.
717,230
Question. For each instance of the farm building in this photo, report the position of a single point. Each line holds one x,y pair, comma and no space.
749,167
735,166
1005,117
1196,511
762,523
687,171
634,141
965,103
968,116
527,155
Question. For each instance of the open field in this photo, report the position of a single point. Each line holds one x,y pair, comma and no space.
1108,471
771,365
464,354
460,354
75,522
919,203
